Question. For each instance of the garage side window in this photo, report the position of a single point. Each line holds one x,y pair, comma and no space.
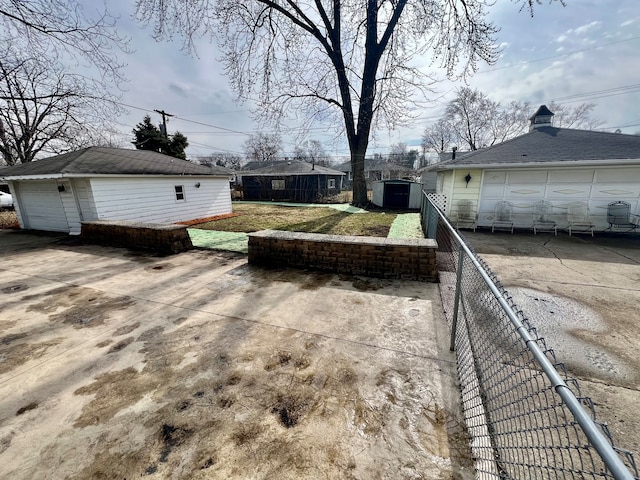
179,193
332,183
277,184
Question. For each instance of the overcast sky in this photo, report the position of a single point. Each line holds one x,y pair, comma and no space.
584,52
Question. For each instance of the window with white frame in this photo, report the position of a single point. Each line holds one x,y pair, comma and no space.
277,184
350,175
331,183
180,197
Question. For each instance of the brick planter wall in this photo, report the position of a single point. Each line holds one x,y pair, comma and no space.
412,259
164,239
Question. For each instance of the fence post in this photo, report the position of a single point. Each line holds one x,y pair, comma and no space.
456,301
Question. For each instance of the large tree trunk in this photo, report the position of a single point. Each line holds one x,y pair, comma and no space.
360,198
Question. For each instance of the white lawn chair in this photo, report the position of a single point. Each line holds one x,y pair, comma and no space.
543,217
578,218
467,217
504,216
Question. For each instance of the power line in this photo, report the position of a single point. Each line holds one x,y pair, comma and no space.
559,55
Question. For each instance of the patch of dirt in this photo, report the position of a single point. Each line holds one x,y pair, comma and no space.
79,306
26,408
120,345
126,329
112,391
17,287
6,325
20,353
7,339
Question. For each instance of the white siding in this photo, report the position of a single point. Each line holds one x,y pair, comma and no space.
153,200
84,198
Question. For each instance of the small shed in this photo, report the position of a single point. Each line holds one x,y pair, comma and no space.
98,183
292,181
397,194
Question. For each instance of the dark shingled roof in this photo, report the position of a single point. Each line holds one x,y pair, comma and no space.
111,161
294,167
550,144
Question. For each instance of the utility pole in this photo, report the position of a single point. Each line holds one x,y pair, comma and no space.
164,121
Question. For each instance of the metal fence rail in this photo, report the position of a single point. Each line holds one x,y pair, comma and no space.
525,415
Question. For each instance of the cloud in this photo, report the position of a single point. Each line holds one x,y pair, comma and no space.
584,29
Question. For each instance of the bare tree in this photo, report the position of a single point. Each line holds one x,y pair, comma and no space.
510,121
263,147
222,159
53,30
347,61
574,117
439,137
471,115
46,111
312,151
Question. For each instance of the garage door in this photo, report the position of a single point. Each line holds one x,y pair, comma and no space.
41,206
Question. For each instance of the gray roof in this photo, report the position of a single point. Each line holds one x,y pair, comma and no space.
553,145
110,161
293,167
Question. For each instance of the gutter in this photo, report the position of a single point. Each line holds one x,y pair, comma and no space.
55,176
564,163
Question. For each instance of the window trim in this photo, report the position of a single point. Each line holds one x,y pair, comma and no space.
331,183
280,182
180,193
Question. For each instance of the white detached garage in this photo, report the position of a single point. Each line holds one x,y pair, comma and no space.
98,183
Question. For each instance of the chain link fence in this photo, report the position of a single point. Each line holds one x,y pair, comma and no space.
525,415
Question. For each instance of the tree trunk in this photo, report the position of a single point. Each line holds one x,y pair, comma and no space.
360,198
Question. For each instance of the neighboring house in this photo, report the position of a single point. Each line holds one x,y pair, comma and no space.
558,165
292,181
97,183
375,170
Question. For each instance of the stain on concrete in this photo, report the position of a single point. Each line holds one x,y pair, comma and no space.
79,306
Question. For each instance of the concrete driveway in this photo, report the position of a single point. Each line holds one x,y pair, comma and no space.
583,294
116,364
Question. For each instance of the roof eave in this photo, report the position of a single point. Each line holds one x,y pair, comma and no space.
564,163
55,176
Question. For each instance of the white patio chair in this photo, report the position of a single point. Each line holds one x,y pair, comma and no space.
504,216
578,218
467,217
543,217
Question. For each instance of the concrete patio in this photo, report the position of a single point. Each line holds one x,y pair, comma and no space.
116,364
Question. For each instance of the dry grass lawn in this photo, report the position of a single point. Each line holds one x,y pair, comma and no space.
255,217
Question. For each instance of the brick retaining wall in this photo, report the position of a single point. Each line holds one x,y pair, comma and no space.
413,259
159,238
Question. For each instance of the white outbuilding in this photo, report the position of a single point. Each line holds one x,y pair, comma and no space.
98,183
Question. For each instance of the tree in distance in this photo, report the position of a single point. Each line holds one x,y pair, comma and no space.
149,137
263,147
